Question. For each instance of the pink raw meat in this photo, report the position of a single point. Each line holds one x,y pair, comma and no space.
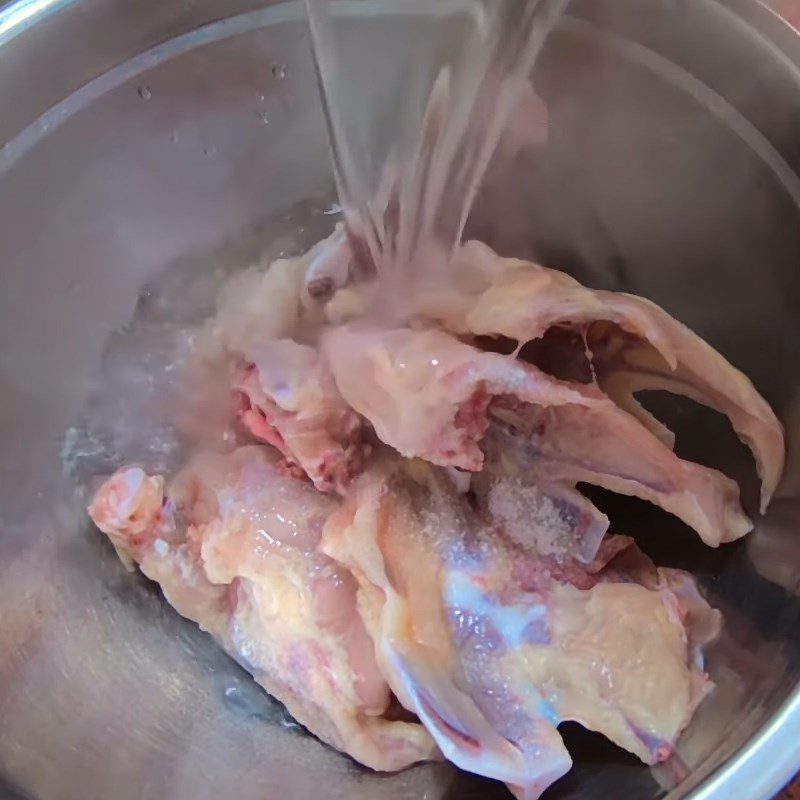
290,401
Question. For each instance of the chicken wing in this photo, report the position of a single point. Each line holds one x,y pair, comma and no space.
233,545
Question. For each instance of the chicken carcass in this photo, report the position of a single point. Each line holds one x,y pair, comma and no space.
431,396
481,591
492,647
637,346
233,545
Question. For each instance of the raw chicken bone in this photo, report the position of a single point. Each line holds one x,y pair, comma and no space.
289,400
638,347
431,396
391,534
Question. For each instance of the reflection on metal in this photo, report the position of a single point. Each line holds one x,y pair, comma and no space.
215,32
16,16
787,10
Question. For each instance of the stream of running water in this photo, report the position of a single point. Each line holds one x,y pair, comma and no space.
410,147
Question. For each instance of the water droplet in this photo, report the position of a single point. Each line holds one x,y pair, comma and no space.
263,117
279,71
289,723
173,137
145,92
211,150
262,98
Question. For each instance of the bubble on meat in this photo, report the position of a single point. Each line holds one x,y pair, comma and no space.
551,521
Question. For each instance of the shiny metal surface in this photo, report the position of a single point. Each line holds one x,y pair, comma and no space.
144,140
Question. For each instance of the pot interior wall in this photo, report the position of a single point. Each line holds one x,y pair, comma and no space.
131,182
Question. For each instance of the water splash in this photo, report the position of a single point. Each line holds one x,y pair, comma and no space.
408,166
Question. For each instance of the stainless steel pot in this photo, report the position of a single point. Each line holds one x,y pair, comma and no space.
139,141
